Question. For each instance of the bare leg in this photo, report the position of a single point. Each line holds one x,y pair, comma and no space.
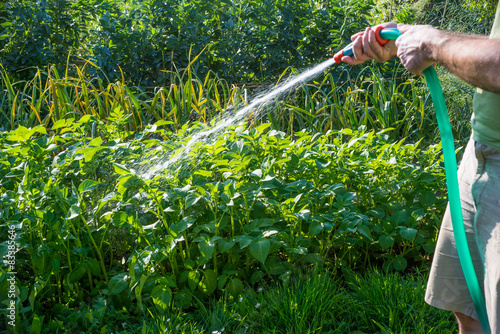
468,325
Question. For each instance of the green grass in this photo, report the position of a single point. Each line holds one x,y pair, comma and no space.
316,302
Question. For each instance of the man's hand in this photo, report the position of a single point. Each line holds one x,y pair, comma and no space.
473,58
410,47
366,47
414,53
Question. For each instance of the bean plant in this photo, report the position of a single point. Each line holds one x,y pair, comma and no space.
247,206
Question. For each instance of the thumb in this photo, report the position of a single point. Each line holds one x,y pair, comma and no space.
404,27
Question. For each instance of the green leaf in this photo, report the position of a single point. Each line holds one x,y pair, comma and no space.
132,268
256,174
169,280
193,279
386,241
36,325
304,214
429,247
138,290
161,296
88,185
56,264
225,245
208,284
204,173
399,263
235,287
408,233
427,199
418,214
183,298
118,283
322,163
94,267
346,131
221,281
426,177
163,122
206,250
189,264
185,223
112,196
96,141
89,152
313,259
78,272
257,276
377,213
59,124
276,267
260,249
191,200
398,217
120,169
244,240
365,230
121,219
87,118
128,181
315,229
23,134
74,211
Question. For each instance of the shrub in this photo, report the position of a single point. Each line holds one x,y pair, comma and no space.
250,205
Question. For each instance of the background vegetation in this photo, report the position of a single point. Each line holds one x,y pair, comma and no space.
241,41
319,213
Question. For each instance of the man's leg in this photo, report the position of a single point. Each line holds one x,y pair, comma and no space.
447,288
480,194
468,325
486,194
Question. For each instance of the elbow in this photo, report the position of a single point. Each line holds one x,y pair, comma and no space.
492,82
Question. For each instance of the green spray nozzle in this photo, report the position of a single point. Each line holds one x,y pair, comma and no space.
450,164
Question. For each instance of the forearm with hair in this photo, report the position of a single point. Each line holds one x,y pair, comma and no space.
473,58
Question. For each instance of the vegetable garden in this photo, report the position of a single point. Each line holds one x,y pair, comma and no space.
318,213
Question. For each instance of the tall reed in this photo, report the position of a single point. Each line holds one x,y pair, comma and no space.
325,104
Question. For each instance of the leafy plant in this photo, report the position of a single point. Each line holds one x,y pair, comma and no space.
252,205
322,105
241,42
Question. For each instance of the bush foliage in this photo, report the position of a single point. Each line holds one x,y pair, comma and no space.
248,205
239,40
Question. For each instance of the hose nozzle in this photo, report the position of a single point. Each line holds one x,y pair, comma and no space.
347,51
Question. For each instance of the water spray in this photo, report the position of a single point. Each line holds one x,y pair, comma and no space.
239,115
383,35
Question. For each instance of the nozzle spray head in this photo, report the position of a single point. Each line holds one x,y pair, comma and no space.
347,51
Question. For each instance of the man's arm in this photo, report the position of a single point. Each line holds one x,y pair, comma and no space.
474,59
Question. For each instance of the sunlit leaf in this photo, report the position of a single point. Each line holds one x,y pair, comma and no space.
88,185
260,249
118,283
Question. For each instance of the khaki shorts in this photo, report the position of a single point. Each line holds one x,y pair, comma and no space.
479,183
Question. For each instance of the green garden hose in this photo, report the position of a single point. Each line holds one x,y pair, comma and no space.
450,165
